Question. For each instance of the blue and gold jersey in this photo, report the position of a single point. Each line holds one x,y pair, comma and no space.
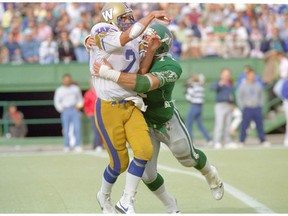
123,58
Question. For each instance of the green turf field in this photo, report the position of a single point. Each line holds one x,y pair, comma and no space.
255,181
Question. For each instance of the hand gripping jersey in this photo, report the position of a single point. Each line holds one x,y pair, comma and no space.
126,58
159,101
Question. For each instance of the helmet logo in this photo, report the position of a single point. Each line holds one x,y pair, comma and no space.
108,14
166,39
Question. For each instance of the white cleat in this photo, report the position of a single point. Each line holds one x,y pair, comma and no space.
217,145
172,208
215,183
104,201
126,204
78,149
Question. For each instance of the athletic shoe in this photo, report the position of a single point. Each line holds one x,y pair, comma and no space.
78,149
217,145
126,204
66,149
104,201
172,208
233,145
210,143
99,149
266,144
215,183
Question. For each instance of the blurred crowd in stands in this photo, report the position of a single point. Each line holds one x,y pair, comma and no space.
48,33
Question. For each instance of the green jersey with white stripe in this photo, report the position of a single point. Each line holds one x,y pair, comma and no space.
160,104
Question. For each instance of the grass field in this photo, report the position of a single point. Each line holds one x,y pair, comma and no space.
54,182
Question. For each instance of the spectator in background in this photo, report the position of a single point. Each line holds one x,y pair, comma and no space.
4,55
17,57
74,10
44,30
180,33
176,48
48,52
270,76
235,47
242,77
12,46
223,108
51,20
65,48
195,94
30,48
28,17
90,98
210,12
194,15
17,128
273,43
220,30
68,101
240,30
236,120
15,30
250,99
255,41
283,65
3,36
39,10
77,37
7,16
211,45
191,46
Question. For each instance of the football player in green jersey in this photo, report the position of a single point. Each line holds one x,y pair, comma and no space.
163,118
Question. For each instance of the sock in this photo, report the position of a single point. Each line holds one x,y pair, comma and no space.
106,187
108,180
206,169
158,188
163,195
133,176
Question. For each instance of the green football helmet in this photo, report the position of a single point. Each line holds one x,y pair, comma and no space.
166,38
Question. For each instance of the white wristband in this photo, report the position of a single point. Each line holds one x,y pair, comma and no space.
106,73
136,30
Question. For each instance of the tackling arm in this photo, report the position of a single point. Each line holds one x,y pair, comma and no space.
136,82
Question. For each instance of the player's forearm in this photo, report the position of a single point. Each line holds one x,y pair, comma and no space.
146,62
138,83
127,80
135,82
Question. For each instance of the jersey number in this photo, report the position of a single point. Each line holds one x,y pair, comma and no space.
130,56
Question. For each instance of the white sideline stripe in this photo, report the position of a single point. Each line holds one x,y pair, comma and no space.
249,201
259,207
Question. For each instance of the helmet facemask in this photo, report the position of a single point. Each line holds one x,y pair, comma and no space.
122,22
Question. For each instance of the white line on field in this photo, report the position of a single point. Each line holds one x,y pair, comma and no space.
257,206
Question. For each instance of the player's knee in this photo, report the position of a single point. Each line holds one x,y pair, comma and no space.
182,152
149,174
187,161
145,153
